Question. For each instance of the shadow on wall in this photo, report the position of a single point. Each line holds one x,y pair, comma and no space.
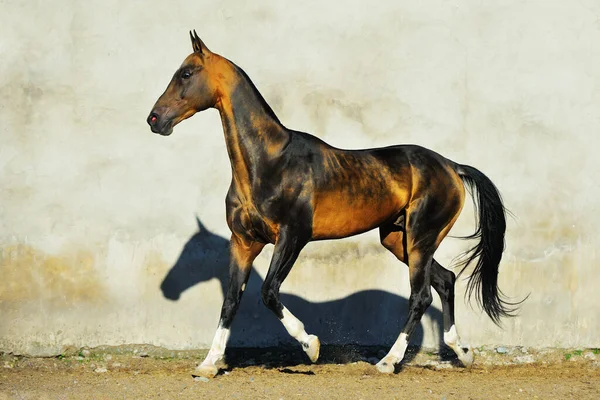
366,318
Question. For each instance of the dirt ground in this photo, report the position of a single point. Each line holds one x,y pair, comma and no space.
278,376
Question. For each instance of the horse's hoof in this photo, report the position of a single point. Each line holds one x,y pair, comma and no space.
314,346
206,370
466,357
385,366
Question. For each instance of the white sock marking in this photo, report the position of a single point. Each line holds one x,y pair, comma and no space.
394,356
451,337
217,349
398,349
294,326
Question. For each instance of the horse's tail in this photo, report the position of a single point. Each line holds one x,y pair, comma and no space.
491,227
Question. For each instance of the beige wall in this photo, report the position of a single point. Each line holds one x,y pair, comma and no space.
95,209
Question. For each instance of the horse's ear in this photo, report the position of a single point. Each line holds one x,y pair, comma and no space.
197,44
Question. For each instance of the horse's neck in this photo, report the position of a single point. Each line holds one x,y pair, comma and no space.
253,133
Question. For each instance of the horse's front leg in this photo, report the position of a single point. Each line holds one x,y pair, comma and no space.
242,256
287,248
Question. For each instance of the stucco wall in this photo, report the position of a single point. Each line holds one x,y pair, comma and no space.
95,210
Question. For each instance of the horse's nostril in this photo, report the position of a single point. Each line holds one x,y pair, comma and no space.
152,118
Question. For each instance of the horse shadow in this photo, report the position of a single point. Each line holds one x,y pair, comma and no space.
358,327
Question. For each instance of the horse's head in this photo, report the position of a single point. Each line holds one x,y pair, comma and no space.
193,88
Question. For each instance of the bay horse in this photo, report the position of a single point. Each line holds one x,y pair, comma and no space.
289,188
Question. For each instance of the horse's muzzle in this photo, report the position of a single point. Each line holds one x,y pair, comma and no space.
159,125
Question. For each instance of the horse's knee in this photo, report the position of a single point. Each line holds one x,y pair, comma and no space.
270,297
422,299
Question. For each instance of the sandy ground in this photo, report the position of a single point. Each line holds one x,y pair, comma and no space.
275,376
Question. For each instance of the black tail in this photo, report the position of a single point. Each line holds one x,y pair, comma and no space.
491,227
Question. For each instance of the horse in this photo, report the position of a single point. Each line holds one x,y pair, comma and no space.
289,188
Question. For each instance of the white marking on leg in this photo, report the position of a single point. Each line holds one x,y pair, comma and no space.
394,356
295,327
217,349
452,339
216,352
243,287
399,348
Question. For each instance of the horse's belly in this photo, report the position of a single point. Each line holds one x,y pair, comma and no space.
337,217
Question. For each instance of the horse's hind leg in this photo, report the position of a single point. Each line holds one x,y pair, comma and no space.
419,262
428,220
242,256
443,281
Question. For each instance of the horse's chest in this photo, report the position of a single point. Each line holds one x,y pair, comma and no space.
245,219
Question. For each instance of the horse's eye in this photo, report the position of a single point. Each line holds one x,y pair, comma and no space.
185,74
